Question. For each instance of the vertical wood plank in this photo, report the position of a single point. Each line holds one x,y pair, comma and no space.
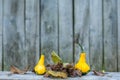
96,46
14,36
1,7
49,28
110,35
118,7
32,31
65,30
82,27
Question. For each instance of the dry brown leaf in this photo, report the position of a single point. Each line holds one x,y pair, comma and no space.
98,73
57,74
15,70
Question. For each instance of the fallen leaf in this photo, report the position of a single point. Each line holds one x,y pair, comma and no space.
15,70
55,58
57,74
98,73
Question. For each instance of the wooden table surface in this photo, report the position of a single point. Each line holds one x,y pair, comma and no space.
31,76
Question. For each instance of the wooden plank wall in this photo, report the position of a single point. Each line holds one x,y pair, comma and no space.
118,14
32,31
110,34
29,28
14,33
65,30
95,34
1,16
49,28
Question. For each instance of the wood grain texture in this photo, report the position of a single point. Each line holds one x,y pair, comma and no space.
29,28
118,7
96,44
1,17
49,28
110,35
14,36
32,31
82,27
65,30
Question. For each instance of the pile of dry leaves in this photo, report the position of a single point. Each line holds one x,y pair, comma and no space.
61,71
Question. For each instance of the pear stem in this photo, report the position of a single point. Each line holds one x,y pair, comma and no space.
81,47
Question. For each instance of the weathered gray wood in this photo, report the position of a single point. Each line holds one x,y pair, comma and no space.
32,31
82,27
32,76
118,7
96,34
14,36
110,35
1,17
46,19
49,28
65,30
